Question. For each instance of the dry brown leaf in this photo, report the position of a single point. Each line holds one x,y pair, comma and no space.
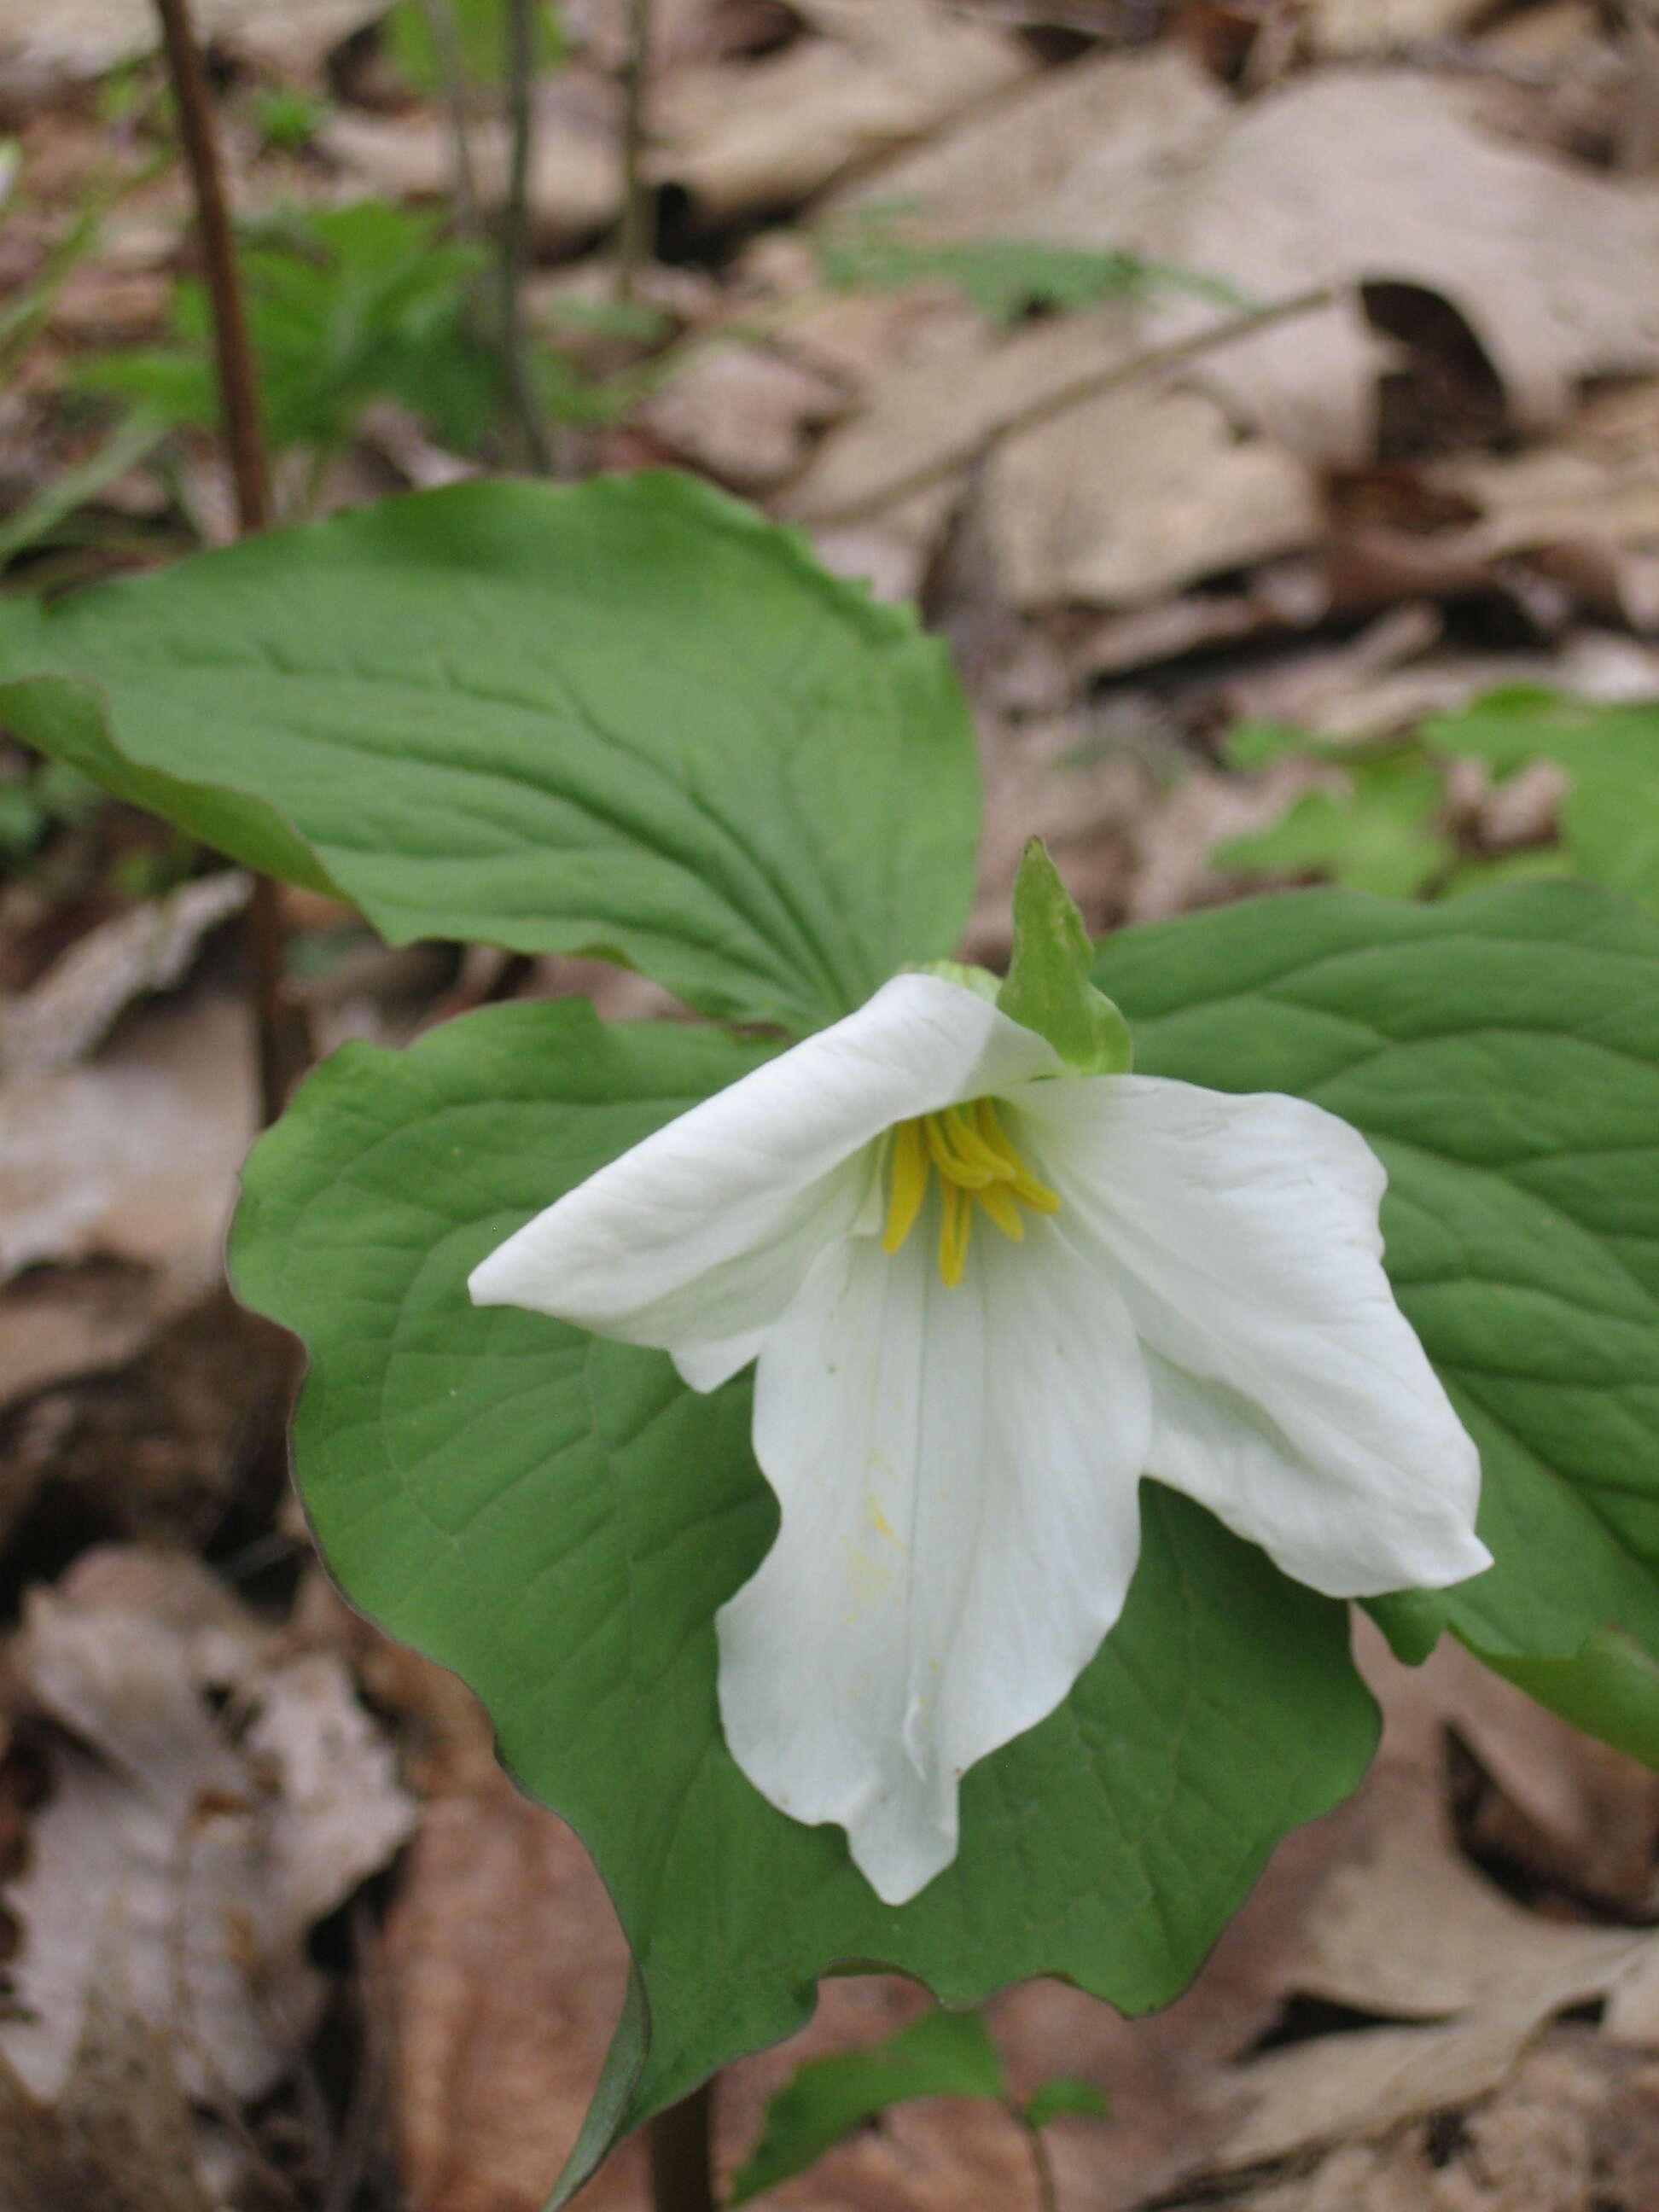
134,1155
1559,1806
1591,664
149,948
84,38
738,137
1345,177
1575,2128
506,1968
198,1857
741,413
1584,508
56,1325
574,178
1338,29
1408,1930
937,414
1137,493
119,2136
1081,155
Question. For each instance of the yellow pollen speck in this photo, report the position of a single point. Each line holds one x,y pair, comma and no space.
976,1164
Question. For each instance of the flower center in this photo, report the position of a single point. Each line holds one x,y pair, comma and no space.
977,1165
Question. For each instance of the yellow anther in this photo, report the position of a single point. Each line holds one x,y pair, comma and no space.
977,1164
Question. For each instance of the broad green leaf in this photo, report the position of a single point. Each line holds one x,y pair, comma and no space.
1049,987
1501,1053
557,1519
1610,817
627,717
943,2054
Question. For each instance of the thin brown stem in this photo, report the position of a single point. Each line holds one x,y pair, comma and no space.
516,232
280,1050
1071,394
682,2148
1042,2167
239,384
633,242
451,64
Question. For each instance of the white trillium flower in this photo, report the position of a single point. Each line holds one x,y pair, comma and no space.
985,1295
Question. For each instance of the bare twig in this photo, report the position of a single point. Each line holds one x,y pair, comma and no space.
634,240
238,386
245,444
1085,386
682,2155
452,79
516,232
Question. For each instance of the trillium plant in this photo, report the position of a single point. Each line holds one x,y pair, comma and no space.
1165,1280
894,1448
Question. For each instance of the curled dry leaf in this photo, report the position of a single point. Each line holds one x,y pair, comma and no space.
1347,178
196,1853
147,948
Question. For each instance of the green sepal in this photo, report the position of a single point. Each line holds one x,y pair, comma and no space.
1049,987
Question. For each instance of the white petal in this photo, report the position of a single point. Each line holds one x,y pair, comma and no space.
957,1470
700,1235
1290,1395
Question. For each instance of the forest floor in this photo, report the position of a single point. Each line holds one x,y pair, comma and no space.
928,281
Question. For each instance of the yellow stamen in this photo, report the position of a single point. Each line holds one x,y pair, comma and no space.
957,1220
909,1185
977,1164
998,1202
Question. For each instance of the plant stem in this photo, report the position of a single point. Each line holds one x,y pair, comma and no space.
1042,2165
633,242
239,386
451,78
245,445
682,2154
516,232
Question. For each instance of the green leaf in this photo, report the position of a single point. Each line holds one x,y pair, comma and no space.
1501,1053
627,717
1049,987
1064,2098
1381,835
943,2054
558,1519
1609,1689
345,304
1002,278
1610,817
